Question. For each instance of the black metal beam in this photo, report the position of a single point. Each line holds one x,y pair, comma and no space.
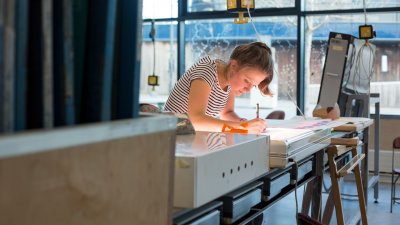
58,64
181,49
8,72
108,60
127,105
182,8
34,105
2,122
63,61
80,32
21,64
68,50
94,62
300,60
47,61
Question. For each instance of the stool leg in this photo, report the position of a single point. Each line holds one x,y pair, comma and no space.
326,217
392,186
305,208
394,189
335,189
361,198
391,193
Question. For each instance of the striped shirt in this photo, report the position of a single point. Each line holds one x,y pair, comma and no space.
205,69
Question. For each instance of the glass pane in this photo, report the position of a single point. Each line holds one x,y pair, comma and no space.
217,38
165,64
385,78
311,5
220,5
153,9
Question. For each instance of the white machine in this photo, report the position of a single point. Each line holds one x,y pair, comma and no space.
209,165
297,139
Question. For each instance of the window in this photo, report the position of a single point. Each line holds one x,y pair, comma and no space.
153,9
311,5
165,64
220,5
216,35
387,44
384,63
217,38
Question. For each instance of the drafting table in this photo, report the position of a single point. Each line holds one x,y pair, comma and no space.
199,194
277,181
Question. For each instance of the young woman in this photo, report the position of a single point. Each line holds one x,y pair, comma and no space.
207,90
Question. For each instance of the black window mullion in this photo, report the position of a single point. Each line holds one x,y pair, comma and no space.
300,84
181,49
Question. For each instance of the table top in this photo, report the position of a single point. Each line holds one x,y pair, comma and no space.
204,143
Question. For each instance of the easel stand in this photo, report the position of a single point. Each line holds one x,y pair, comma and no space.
336,173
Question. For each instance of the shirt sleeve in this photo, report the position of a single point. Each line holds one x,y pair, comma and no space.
204,71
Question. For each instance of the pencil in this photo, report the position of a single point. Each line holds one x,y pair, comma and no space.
258,111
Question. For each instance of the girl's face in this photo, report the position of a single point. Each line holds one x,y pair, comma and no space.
243,79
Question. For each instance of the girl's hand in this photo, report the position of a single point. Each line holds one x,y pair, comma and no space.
256,126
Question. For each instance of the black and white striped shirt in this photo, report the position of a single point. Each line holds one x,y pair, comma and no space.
205,69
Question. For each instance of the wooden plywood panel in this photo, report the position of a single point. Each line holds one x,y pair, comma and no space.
124,181
390,129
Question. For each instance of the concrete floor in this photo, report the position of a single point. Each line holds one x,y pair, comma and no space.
283,213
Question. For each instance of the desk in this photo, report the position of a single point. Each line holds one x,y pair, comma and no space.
270,185
276,184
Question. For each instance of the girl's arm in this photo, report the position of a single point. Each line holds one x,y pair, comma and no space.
228,113
197,105
198,99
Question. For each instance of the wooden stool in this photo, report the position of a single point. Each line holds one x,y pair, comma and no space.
336,174
395,172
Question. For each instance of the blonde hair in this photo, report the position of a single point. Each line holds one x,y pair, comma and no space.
256,55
